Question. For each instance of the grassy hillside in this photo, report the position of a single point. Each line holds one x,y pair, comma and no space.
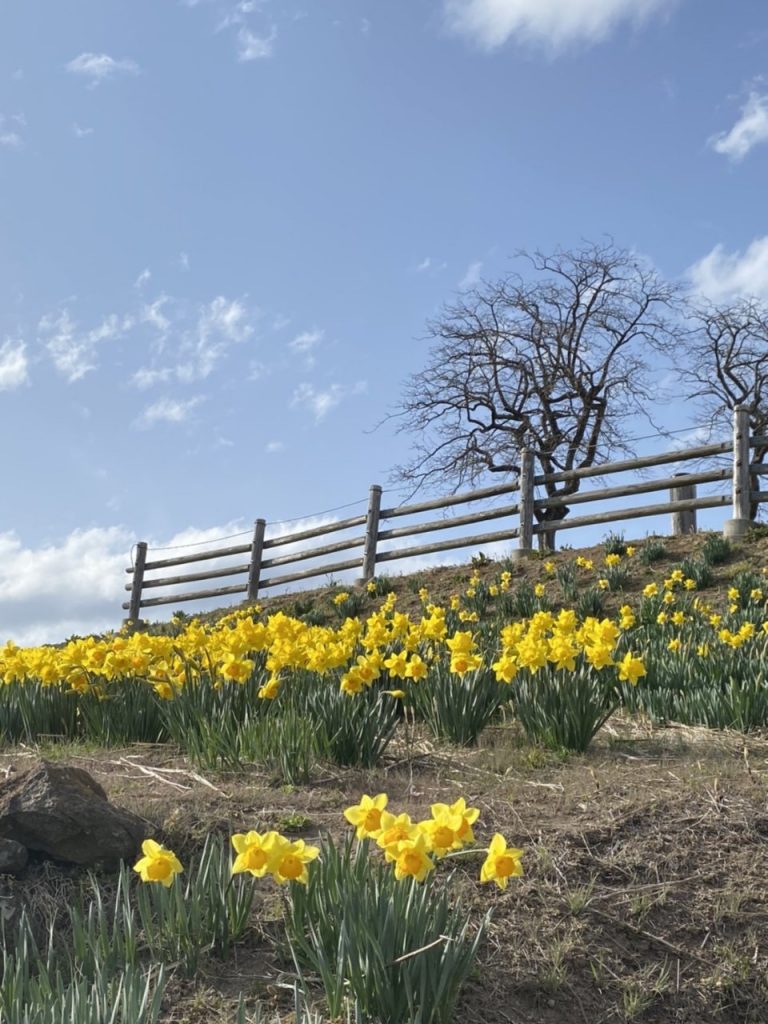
645,855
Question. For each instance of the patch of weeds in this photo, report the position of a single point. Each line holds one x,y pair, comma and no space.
578,899
294,822
757,531
654,550
641,991
316,617
479,560
554,972
302,606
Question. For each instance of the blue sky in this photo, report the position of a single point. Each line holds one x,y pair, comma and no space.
225,224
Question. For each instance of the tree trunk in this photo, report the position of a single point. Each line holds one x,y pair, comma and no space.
548,539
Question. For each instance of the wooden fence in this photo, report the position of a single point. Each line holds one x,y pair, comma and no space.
519,523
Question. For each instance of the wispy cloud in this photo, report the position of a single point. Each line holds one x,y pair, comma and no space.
74,352
472,275
306,341
320,403
97,67
725,275
254,47
147,377
237,14
143,278
168,410
425,264
14,366
79,132
221,323
273,447
749,130
556,24
10,135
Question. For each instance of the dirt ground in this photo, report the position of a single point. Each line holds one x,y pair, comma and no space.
646,867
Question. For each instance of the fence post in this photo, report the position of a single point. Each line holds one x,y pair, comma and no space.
371,534
134,609
683,521
525,538
740,523
254,569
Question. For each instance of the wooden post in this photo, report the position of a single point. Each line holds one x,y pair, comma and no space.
371,534
685,521
254,570
134,608
525,540
739,524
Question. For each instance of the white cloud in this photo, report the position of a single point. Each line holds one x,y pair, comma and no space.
143,278
273,447
425,264
237,14
14,367
319,403
10,136
75,586
253,47
471,275
749,131
725,275
146,377
74,353
152,314
184,260
306,341
100,66
168,410
554,23
221,323
81,133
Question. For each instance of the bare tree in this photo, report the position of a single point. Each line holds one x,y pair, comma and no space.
727,365
555,364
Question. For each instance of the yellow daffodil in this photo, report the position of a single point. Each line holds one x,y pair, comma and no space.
411,858
502,863
255,853
157,864
290,860
366,815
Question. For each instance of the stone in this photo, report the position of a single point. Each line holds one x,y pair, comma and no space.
62,812
13,857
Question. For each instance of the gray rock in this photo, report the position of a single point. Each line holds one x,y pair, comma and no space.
63,812
13,857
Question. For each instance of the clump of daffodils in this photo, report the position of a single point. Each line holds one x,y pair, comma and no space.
259,855
413,848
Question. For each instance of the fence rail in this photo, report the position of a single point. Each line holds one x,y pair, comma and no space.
682,505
